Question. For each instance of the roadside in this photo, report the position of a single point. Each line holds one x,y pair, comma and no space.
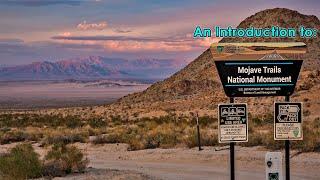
113,161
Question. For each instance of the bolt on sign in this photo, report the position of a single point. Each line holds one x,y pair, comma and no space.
288,121
233,123
247,78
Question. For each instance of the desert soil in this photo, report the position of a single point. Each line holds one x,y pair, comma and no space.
113,161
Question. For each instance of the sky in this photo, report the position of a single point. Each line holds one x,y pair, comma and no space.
51,30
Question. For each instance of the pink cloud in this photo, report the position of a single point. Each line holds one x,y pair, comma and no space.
139,44
92,26
65,34
135,46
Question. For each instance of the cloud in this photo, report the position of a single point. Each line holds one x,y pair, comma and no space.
92,26
139,44
108,38
119,30
65,34
11,41
42,2
20,52
178,39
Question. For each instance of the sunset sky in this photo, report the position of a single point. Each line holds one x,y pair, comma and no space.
38,30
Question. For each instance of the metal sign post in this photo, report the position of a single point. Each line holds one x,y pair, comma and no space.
232,174
288,126
287,157
232,127
287,151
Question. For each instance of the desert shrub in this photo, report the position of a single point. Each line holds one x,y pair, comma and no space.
159,120
65,137
262,121
190,140
306,113
73,122
136,114
316,123
12,136
152,142
21,163
63,159
136,144
161,139
255,139
256,121
206,120
269,142
164,119
20,135
206,139
39,120
94,131
108,138
305,86
116,119
149,125
311,140
97,123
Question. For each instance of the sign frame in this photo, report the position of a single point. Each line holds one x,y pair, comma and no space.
258,85
275,122
247,123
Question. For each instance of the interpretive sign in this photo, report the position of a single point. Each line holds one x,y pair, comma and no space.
233,123
288,121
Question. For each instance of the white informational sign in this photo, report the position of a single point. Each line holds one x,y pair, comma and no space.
273,164
288,121
233,123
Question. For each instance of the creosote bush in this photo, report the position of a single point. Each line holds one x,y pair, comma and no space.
21,163
63,159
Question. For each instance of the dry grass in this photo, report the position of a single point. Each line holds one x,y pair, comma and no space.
143,133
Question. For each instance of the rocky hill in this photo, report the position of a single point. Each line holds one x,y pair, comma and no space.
197,86
286,18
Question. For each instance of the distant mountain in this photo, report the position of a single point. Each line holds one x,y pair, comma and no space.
92,67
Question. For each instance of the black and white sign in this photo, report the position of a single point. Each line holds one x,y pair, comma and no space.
288,121
258,78
233,123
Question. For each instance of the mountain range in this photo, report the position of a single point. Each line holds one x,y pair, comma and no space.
92,67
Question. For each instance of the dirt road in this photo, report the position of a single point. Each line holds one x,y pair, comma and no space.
190,164
114,162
